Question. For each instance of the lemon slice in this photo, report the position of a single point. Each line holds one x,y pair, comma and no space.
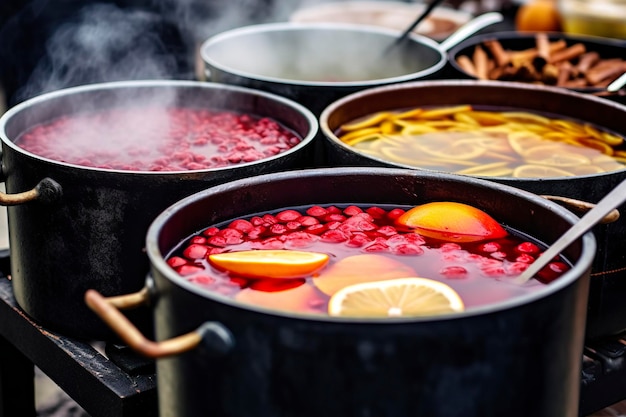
401,297
539,171
270,263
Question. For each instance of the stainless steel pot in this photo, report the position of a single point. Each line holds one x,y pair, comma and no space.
223,357
316,63
74,227
607,312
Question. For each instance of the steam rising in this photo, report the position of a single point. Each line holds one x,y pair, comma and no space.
104,42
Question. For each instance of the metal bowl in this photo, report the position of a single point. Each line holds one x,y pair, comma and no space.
317,63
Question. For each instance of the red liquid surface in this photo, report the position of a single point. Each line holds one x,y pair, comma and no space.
481,272
158,139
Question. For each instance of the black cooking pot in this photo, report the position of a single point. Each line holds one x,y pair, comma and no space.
250,361
607,312
85,227
316,63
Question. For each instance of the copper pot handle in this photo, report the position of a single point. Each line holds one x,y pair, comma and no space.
580,207
213,334
47,190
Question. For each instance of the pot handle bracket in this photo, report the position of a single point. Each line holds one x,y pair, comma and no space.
47,191
579,207
212,335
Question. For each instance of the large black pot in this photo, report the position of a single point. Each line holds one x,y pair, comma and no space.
86,226
521,357
607,311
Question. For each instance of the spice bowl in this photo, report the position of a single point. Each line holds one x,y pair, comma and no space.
575,62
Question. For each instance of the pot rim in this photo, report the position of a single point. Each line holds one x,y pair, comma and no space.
311,120
321,26
510,85
579,269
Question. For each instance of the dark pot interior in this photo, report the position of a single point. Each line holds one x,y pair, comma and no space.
607,314
92,236
483,363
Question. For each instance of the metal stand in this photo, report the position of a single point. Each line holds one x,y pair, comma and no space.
100,386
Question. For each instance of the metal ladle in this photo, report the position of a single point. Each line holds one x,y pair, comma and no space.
609,203
462,33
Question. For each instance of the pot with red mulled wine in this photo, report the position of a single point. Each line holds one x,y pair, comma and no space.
88,168
361,291
547,140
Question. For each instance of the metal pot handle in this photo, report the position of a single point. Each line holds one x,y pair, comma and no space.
211,334
580,207
47,191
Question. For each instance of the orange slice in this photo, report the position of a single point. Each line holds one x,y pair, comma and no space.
450,221
360,268
304,299
270,263
402,297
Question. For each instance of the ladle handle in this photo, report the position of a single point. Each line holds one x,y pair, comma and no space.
611,201
469,29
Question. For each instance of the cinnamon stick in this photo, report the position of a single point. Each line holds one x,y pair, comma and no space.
480,62
467,65
497,52
569,53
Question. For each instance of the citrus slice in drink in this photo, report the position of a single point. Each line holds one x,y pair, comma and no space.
360,268
402,297
451,221
303,299
539,171
270,263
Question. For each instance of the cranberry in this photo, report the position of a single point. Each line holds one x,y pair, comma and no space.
395,213
358,240
307,221
528,247
316,229
257,232
408,249
211,231
334,217
552,271
524,257
200,240
176,261
376,246
334,236
287,216
453,272
278,229
489,247
317,211
387,231
376,212
185,270
516,268
195,251
241,225
232,236
352,210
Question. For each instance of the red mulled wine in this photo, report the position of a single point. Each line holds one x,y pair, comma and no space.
361,242
158,139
